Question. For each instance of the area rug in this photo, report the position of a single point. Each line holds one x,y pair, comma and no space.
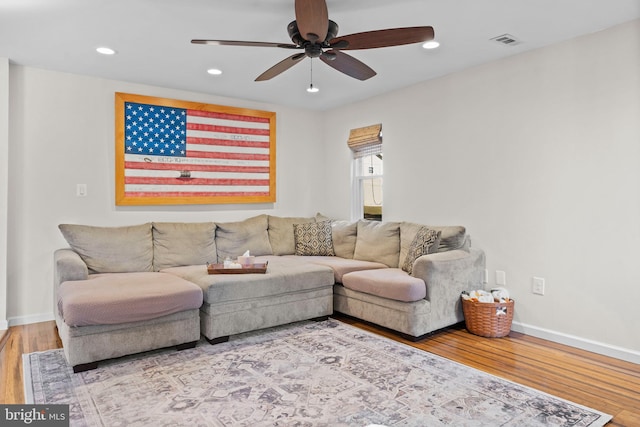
310,374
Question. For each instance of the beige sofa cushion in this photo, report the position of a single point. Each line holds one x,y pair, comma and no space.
235,238
109,299
281,233
320,217
392,283
379,242
183,243
344,238
342,266
111,249
286,275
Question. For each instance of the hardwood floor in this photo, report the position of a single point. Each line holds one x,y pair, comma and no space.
607,384
604,383
23,339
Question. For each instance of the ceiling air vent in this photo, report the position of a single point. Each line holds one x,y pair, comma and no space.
506,39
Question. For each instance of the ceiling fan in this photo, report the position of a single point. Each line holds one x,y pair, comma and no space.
315,34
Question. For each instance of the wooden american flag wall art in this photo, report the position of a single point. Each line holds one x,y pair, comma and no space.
171,152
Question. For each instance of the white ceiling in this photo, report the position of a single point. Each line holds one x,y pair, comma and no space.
152,38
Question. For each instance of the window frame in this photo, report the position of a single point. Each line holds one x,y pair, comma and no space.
357,184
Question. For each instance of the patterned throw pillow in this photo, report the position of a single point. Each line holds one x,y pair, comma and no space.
426,239
313,238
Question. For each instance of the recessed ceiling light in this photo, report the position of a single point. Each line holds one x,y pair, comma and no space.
214,71
105,51
431,44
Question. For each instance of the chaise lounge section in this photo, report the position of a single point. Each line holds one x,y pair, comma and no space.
126,309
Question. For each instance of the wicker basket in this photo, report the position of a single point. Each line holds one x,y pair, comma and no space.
488,319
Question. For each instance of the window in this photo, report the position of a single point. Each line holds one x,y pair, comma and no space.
368,186
366,144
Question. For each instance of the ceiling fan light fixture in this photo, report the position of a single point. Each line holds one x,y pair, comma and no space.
316,35
103,50
431,44
214,71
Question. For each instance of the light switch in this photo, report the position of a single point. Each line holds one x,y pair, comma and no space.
537,286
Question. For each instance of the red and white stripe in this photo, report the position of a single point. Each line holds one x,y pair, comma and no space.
227,155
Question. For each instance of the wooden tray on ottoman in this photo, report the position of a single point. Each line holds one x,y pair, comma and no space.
258,268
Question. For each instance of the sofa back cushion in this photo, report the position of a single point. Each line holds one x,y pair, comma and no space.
235,238
379,242
183,243
281,233
344,238
111,249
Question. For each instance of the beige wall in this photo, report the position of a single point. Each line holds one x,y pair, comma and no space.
4,185
62,134
538,156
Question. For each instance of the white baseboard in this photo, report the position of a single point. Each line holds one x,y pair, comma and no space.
574,341
34,318
4,325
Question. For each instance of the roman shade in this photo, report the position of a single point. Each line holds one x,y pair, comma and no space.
366,141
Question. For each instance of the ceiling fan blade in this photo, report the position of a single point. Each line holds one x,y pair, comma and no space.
244,43
348,65
312,17
383,38
281,67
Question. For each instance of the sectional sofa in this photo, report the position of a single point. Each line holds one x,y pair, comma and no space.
124,290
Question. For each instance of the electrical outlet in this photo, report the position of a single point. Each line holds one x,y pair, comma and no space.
537,286
485,279
501,278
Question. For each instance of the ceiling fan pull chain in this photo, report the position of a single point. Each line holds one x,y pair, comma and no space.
312,89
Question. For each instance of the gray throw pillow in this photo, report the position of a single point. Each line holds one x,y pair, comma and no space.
451,237
425,242
313,239
111,249
183,243
408,231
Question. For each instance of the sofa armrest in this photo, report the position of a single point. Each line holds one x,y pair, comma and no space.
67,265
446,275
